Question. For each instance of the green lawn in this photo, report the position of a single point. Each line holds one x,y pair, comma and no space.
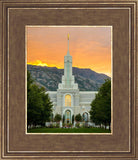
68,130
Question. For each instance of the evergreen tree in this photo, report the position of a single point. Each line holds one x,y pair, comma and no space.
39,106
63,118
101,106
72,118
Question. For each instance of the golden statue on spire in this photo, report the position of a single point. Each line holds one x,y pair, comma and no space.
68,36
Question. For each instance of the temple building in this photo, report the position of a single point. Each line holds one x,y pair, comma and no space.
68,101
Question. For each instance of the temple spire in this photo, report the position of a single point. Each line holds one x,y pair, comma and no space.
68,81
68,46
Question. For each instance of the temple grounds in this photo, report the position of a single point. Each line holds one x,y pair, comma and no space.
68,130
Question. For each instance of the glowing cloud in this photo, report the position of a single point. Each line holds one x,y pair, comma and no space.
38,63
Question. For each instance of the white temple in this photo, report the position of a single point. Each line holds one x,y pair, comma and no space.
68,100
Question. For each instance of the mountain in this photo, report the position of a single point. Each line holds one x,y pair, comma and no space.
50,77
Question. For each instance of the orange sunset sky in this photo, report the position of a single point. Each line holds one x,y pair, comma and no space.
90,47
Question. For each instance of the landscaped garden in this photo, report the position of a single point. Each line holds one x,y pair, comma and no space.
68,130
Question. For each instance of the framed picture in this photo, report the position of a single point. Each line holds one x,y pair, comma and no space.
69,92
32,35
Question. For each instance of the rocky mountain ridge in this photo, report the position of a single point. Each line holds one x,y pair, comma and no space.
50,77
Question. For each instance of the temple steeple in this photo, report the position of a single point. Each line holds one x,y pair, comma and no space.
68,78
68,67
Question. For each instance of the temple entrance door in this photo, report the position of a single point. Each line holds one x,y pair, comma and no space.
68,116
85,117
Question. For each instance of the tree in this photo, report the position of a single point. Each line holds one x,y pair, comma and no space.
47,106
52,117
101,106
63,118
39,106
72,118
57,118
78,117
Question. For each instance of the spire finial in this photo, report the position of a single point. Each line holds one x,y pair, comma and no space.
68,36
68,46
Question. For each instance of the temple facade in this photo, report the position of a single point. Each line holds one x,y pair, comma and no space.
68,101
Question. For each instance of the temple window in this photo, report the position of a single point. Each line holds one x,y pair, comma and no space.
68,100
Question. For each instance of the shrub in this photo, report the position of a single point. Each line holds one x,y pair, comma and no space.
57,125
57,118
78,117
77,125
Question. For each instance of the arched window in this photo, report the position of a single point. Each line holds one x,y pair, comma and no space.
68,100
85,116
